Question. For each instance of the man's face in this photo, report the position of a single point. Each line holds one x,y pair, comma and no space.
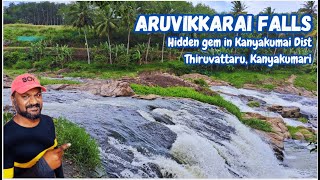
28,104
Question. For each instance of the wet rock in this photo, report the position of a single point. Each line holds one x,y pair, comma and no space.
290,112
56,86
275,108
277,136
6,81
156,169
116,88
299,136
286,111
159,133
147,97
207,79
99,172
163,118
251,98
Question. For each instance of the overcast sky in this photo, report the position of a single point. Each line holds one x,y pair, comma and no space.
254,7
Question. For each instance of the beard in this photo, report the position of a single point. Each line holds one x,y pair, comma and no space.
29,115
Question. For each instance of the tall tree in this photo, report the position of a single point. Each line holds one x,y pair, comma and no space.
238,7
81,17
166,8
309,7
106,22
128,12
269,11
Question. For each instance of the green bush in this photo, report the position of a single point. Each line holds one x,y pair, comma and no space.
303,119
6,117
84,149
12,57
201,82
179,68
253,104
22,64
44,64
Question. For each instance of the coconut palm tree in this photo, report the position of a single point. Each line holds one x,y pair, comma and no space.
238,7
82,18
309,7
167,8
269,11
106,22
128,12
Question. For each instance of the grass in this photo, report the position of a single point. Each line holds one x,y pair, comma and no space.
303,119
185,92
83,151
240,77
258,124
309,136
201,82
253,104
269,80
46,81
307,81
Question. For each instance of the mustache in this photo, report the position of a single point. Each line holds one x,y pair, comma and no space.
33,105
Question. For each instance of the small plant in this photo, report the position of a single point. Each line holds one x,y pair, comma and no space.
201,82
253,104
303,119
308,136
7,117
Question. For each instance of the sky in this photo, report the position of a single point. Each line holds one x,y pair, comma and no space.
254,7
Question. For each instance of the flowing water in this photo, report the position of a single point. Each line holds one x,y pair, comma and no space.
176,138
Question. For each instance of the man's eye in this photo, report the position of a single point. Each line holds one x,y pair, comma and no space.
25,97
39,95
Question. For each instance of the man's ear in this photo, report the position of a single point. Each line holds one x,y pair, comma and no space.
13,101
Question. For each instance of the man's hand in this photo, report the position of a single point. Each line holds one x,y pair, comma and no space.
54,157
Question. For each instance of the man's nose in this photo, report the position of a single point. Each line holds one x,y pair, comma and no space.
33,100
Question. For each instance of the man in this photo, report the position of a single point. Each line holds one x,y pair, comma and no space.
30,144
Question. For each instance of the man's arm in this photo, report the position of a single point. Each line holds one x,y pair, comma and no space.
40,170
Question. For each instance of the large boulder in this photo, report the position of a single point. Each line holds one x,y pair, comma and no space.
286,111
290,112
116,88
277,136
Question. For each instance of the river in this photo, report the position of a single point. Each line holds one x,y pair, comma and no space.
176,138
